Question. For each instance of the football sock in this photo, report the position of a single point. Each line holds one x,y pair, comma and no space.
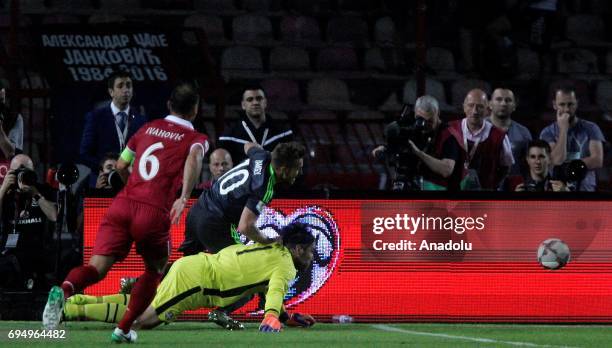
80,299
78,279
122,299
142,295
106,312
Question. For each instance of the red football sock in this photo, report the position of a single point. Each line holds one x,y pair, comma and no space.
141,297
79,278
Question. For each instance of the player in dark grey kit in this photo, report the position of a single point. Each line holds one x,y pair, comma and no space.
233,204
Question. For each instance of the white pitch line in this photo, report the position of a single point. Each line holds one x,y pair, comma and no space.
466,338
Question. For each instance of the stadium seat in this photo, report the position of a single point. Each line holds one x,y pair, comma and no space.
282,94
284,58
300,31
33,80
337,59
461,87
384,32
432,87
329,94
603,95
348,30
608,63
278,115
577,60
241,58
309,116
252,29
391,103
373,60
365,115
528,64
441,61
585,29
388,60
311,7
212,26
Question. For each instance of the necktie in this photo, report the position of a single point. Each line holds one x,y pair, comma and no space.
121,119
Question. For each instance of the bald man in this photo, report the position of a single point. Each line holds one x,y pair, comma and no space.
26,210
220,162
11,180
487,153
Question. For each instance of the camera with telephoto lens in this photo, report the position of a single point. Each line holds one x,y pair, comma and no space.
402,158
26,176
114,181
570,172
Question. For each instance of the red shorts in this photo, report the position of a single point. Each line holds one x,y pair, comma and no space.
128,221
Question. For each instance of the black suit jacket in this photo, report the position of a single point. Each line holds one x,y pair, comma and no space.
100,136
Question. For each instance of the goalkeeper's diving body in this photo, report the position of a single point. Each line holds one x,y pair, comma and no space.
211,280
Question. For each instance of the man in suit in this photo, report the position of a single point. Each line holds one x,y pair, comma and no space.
109,128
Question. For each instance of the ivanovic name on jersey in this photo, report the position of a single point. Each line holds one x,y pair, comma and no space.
156,132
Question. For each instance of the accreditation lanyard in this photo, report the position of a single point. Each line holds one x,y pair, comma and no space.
471,153
248,130
483,133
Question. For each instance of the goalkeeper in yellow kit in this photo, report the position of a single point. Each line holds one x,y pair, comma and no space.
215,280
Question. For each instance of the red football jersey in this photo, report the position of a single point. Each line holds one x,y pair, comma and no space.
160,149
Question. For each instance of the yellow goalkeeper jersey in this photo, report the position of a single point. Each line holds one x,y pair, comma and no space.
240,269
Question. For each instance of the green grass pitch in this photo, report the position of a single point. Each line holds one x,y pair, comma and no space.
191,334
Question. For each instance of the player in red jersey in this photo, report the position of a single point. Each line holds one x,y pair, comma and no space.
165,153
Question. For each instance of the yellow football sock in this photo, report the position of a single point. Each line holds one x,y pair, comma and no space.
80,299
107,312
121,299
73,311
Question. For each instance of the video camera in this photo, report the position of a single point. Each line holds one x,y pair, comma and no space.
402,158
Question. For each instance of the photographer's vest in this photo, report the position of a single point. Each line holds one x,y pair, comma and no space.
490,149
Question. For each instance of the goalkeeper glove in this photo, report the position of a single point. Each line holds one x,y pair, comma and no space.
270,323
300,320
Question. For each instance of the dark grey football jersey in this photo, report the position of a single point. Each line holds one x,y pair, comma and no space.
250,184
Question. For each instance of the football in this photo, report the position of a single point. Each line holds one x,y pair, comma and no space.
553,253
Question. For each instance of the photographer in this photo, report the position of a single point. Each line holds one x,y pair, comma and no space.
421,150
27,210
538,179
108,178
11,134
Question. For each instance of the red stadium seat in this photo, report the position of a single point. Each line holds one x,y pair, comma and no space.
337,59
212,26
252,29
284,58
300,31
